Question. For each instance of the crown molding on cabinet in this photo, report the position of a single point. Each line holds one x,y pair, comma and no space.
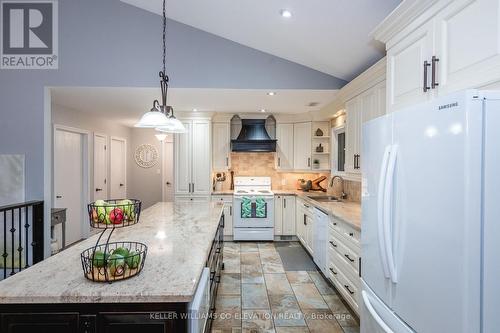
403,15
369,78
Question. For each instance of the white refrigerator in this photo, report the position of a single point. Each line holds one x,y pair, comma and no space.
431,217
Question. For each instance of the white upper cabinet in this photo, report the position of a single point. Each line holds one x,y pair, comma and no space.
201,158
221,147
182,170
284,147
467,45
405,68
302,141
437,47
192,160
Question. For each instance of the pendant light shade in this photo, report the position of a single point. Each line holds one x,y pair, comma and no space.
153,118
174,126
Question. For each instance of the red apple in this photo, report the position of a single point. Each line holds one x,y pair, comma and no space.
116,216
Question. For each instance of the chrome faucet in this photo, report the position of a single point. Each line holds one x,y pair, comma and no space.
342,195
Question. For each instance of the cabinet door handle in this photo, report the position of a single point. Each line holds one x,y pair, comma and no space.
348,289
349,258
305,223
426,87
308,161
284,202
231,210
434,84
227,161
359,167
333,244
334,273
279,161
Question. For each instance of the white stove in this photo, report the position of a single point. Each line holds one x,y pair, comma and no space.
253,205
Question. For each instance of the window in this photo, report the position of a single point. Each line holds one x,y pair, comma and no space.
338,153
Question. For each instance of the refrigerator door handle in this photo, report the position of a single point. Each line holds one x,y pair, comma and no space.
380,211
374,313
388,209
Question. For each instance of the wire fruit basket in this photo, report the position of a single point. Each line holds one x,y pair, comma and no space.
117,213
113,261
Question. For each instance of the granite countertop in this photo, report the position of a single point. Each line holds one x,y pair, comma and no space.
347,211
179,237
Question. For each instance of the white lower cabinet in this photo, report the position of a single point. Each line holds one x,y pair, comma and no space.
305,224
228,212
344,260
284,215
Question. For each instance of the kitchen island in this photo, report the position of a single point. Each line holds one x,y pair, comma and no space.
182,239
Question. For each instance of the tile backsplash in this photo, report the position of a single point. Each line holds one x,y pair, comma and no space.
263,164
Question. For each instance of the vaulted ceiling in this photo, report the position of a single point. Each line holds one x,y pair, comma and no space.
331,36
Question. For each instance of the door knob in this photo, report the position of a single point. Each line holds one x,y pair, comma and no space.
98,189
58,196
168,183
121,184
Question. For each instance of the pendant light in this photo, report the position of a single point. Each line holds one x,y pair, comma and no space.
161,116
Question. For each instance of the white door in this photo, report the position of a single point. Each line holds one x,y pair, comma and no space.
182,160
69,187
288,216
377,138
100,167
284,146
117,168
168,168
220,147
467,45
434,236
405,68
302,137
201,158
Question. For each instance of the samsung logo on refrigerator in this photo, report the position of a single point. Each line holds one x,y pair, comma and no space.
448,106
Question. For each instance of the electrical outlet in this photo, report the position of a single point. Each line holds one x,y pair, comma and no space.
283,182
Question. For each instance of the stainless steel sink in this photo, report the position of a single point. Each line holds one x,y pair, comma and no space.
324,198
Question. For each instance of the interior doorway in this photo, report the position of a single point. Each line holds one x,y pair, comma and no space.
71,180
118,170
168,168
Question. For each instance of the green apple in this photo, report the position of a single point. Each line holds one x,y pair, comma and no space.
121,251
99,258
127,206
133,259
116,264
100,206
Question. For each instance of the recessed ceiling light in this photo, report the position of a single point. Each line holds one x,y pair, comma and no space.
286,13
271,93
262,110
195,109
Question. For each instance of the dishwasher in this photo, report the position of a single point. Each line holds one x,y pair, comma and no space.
320,248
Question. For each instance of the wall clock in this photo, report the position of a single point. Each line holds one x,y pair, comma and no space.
146,156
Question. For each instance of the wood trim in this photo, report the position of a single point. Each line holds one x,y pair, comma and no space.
399,18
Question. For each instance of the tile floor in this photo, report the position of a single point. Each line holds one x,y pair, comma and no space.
257,295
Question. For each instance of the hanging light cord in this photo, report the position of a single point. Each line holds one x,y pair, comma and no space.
163,75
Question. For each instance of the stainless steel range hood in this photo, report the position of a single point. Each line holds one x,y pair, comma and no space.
253,137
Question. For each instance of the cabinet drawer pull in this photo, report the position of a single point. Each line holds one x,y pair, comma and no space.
333,244
434,84
308,161
348,289
347,256
334,273
426,87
